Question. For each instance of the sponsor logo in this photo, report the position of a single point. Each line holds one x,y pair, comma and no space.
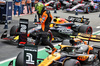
23,28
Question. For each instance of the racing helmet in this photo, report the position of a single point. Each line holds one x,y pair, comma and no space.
38,7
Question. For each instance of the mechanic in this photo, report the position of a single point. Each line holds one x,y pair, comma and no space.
45,20
22,7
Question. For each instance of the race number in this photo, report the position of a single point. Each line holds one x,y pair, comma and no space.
23,29
30,58
30,55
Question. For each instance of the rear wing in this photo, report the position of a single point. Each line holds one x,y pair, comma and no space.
89,37
78,20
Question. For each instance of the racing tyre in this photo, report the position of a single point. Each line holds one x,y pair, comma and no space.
98,8
99,55
85,29
87,9
72,62
13,30
58,5
66,42
20,59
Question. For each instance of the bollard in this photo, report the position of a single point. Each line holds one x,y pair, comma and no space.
76,12
35,20
55,11
6,23
99,15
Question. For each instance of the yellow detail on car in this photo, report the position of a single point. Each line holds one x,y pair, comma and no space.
16,38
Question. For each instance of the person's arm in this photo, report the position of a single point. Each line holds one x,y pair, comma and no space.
43,20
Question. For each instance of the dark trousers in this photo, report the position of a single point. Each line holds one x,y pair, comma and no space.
44,37
17,8
22,8
29,7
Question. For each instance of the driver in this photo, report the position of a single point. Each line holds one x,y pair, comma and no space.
45,18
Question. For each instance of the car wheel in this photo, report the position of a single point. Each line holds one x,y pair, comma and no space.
99,55
58,5
13,30
87,9
72,62
20,59
85,29
66,42
98,8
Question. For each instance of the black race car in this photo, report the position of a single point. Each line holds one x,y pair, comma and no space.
61,31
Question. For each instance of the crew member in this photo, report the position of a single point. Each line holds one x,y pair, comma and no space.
22,7
29,6
45,18
33,5
17,6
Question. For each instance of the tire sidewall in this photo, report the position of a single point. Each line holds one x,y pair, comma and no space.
72,62
20,59
13,30
84,29
99,55
87,9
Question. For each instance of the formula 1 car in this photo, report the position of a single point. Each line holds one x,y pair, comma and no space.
53,4
56,31
77,53
85,6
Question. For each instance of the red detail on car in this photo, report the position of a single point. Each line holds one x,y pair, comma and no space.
22,42
7,39
89,28
69,27
59,5
28,35
16,31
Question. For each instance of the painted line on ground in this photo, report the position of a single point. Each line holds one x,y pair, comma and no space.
98,27
97,32
15,57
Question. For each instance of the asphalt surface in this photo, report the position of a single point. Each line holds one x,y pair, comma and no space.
9,50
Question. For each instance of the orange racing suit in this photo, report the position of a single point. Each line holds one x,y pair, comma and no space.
45,20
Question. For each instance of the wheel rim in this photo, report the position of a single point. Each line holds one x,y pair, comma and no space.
89,30
88,9
77,63
58,6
